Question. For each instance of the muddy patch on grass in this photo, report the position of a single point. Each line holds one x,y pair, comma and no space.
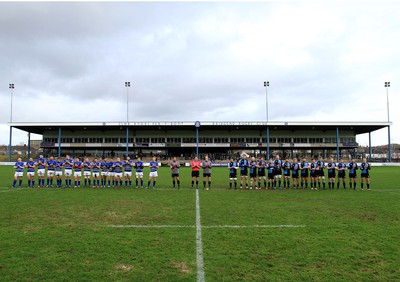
182,267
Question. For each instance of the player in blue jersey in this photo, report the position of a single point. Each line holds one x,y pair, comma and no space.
118,165
104,172
286,166
313,174
87,166
304,167
139,172
68,164
253,173
51,166
30,165
41,170
365,167
19,173
96,173
331,167
341,168
244,165
295,168
58,168
233,167
77,172
261,164
278,172
111,173
320,172
153,172
128,164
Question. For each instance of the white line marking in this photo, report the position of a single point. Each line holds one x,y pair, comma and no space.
8,191
152,226
199,242
209,226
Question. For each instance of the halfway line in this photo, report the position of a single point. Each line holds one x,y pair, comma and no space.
199,242
208,226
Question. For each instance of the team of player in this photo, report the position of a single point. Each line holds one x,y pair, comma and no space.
275,174
104,173
299,171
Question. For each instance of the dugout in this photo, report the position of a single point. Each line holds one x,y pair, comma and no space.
182,139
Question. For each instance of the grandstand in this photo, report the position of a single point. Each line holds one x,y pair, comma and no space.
221,139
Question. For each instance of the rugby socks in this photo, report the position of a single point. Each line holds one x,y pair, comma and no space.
20,183
141,182
29,184
173,184
179,184
154,184
14,182
137,183
355,185
148,184
209,184
204,184
197,184
192,183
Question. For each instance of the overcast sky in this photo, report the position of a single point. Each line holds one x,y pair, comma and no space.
200,61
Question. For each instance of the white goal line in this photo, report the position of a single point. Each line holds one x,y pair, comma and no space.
209,226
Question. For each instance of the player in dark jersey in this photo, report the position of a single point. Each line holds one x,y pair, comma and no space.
352,167
313,174
320,172
174,166
244,165
365,167
278,172
341,168
261,164
233,166
331,167
271,176
304,167
286,166
295,167
253,173
206,165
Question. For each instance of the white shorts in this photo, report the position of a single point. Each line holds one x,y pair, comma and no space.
18,173
104,173
96,174
118,174
111,173
50,173
41,171
78,173
68,172
153,174
86,173
139,174
128,173
30,173
58,173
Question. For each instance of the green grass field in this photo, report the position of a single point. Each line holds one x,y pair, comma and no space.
150,235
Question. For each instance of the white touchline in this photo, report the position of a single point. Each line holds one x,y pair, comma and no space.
208,226
199,242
